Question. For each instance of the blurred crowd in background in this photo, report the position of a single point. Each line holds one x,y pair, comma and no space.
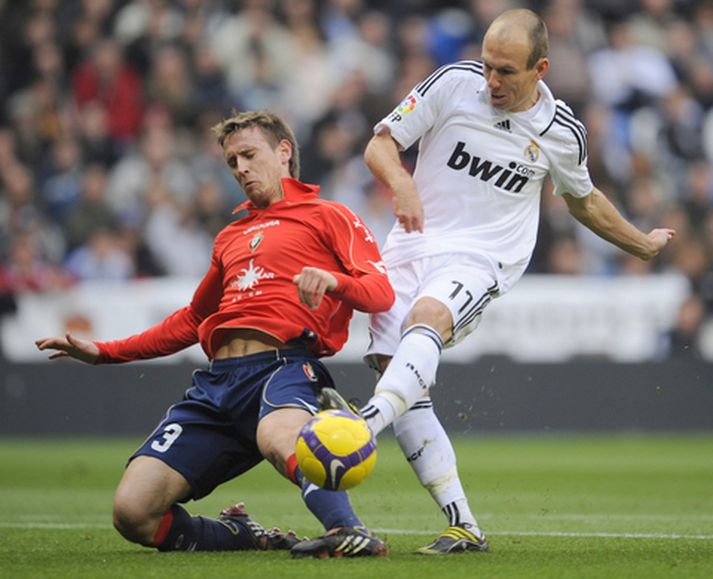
109,170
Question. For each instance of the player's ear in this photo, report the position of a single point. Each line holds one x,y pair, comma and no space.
542,66
284,151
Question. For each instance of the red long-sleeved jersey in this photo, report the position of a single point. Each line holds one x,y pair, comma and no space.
249,283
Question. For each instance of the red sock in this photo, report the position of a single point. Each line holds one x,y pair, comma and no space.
291,466
163,528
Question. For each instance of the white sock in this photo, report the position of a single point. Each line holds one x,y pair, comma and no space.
380,411
411,372
430,453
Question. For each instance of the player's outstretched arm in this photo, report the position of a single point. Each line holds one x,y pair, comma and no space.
384,161
69,347
598,213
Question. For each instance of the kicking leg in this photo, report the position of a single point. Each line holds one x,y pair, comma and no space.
412,370
430,453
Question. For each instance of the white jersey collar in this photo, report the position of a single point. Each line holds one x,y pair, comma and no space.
539,116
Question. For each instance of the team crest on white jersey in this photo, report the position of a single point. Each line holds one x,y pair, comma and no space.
256,240
309,372
251,276
532,152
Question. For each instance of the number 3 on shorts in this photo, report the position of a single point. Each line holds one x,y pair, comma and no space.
170,433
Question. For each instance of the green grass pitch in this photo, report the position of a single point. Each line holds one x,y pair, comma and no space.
552,506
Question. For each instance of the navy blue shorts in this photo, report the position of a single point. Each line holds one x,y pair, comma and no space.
210,436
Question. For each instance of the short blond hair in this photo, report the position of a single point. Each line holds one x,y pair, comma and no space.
273,126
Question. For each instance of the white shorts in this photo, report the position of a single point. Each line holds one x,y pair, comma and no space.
463,283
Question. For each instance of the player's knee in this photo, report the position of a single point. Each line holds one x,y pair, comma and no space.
277,434
133,522
270,452
432,313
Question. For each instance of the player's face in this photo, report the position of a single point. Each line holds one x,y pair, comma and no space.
512,87
257,165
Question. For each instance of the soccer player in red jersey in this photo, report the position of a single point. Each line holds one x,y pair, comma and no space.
284,279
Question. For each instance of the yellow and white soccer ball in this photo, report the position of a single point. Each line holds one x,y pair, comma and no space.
336,450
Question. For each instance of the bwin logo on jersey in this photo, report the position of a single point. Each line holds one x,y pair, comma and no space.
509,179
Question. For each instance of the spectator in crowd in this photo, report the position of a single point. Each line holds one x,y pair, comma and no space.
211,207
264,45
210,88
565,79
650,24
368,52
683,340
63,183
91,211
173,234
154,161
107,78
93,134
25,270
101,258
170,85
21,212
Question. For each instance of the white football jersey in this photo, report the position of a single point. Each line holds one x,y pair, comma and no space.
480,171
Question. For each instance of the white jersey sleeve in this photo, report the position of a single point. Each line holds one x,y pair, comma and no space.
421,108
567,149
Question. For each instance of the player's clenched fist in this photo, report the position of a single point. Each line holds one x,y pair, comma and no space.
312,283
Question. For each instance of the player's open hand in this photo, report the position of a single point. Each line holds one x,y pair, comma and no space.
69,347
312,283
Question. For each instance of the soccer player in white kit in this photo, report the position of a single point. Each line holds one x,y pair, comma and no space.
490,132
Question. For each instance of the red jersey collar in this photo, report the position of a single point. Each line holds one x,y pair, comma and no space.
293,189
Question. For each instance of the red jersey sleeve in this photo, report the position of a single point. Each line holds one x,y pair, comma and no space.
176,332
364,285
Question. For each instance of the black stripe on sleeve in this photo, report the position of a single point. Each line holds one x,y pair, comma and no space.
581,140
467,65
565,118
566,115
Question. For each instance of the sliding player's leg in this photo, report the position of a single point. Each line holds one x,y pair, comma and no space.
147,511
288,401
